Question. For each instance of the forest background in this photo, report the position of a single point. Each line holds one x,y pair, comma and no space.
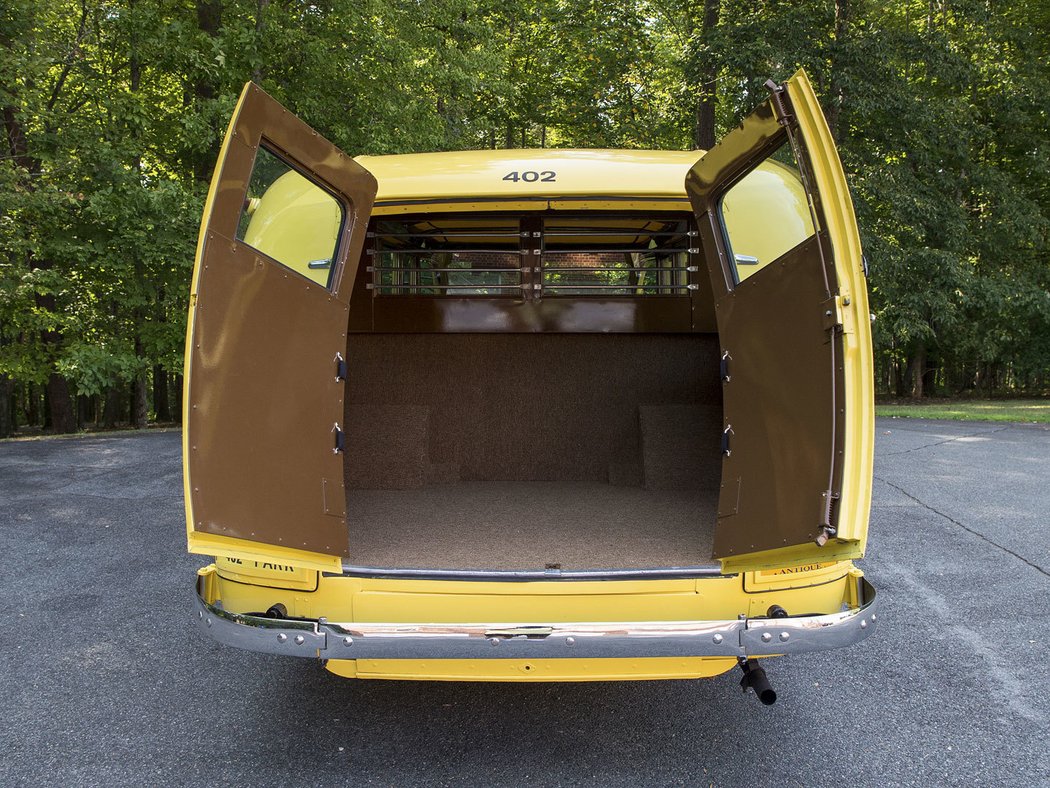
113,113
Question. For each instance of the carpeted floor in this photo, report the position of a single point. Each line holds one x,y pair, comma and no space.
530,525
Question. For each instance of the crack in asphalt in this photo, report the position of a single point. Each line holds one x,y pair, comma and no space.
947,440
965,527
1012,688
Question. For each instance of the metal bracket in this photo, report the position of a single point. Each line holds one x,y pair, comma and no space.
831,313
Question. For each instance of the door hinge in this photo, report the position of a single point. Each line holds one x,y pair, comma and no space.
781,103
340,367
340,439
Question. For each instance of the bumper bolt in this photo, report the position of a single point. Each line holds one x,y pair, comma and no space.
281,637
299,640
785,635
766,637
717,639
348,641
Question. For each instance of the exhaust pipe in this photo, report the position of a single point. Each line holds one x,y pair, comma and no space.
755,679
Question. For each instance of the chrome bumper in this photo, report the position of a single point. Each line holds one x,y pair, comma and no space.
753,637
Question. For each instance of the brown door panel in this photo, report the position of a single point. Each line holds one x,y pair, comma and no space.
782,376
263,404
779,403
263,398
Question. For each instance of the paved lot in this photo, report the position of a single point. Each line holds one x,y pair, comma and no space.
104,681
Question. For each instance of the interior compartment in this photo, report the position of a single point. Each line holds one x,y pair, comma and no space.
527,451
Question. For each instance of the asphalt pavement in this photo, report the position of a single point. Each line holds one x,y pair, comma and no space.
106,680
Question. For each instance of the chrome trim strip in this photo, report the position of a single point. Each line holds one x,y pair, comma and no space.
522,575
720,638
513,198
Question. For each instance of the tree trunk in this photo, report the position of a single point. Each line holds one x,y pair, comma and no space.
260,29
917,372
708,74
7,421
139,402
60,405
837,96
32,406
178,399
209,20
161,401
112,408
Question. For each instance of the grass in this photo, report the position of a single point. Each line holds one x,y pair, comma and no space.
1029,410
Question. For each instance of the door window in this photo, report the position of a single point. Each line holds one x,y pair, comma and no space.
766,214
291,219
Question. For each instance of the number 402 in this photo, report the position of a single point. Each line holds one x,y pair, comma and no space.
531,176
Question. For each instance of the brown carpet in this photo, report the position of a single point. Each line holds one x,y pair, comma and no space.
427,408
529,525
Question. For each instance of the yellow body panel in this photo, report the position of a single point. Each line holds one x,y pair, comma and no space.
612,669
852,303
478,176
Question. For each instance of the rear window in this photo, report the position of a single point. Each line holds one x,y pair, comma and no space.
533,256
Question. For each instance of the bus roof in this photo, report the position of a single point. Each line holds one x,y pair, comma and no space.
507,175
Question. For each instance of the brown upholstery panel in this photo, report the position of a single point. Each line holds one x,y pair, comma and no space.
524,407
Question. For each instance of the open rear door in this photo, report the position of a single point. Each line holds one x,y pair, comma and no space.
280,241
784,256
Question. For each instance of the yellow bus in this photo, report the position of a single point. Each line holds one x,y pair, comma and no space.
531,415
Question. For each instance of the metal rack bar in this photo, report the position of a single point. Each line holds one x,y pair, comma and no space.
613,231
451,234
690,250
380,286
383,268
619,287
445,251
689,268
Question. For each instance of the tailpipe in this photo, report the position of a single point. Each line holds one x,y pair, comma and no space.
755,679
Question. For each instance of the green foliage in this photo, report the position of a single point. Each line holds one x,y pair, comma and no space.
114,110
